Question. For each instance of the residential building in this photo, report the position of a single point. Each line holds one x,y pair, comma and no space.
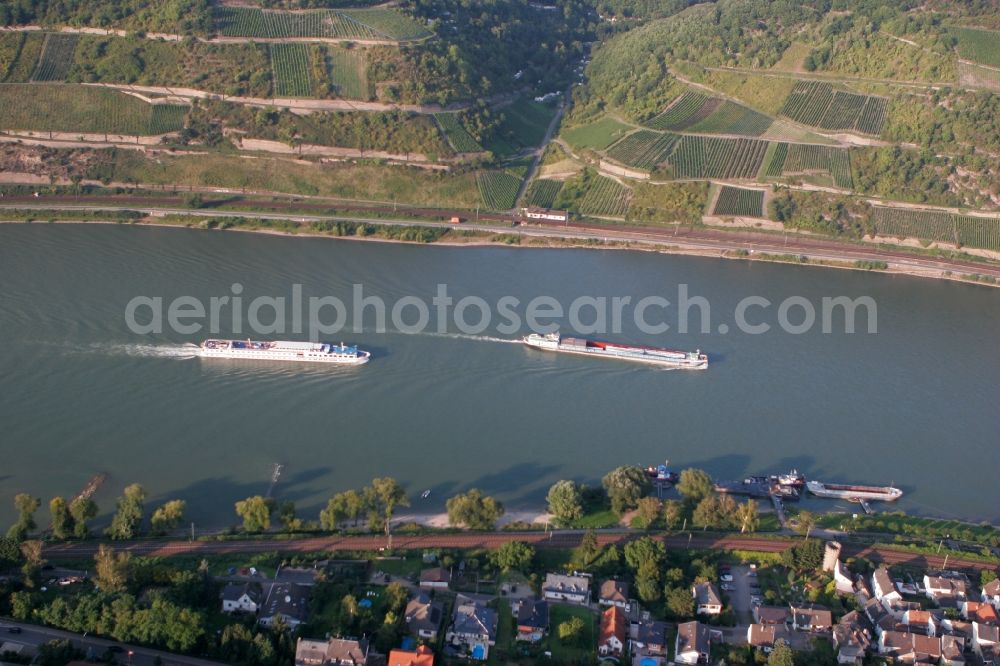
650,638
574,589
991,593
423,616
693,644
437,578
852,637
771,615
986,642
611,641
884,587
947,591
474,626
909,648
811,618
979,611
422,656
919,622
763,636
242,597
842,579
331,652
952,650
614,593
288,600
532,619
707,599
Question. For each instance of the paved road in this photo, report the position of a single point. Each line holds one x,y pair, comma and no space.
31,636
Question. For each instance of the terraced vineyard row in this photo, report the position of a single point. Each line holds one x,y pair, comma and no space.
739,201
290,64
968,230
457,135
497,189
605,197
374,24
774,161
711,157
732,118
348,72
979,232
688,109
803,158
543,192
56,58
817,104
643,149
982,46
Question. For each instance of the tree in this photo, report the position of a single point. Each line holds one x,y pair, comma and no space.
111,569
645,549
168,517
781,655
256,513
589,548
286,514
680,602
565,502
33,562
513,555
82,509
334,514
715,512
695,485
10,552
62,521
673,513
571,631
987,576
649,511
625,486
385,495
748,516
647,581
128,517
26,506
474,510
805,522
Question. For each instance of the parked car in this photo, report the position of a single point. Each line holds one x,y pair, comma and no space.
14,630
726,587
726,577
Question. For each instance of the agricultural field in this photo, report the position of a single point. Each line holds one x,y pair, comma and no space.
711,157
644,149
687,110
978,77
804,158
353,24
56,57
904,223
290,66
498,189
774,160
27,48
739,202
61,108
732,118
459,138
981,46
348,71
817,104
524,124
597,135
605,197
543,192
978,232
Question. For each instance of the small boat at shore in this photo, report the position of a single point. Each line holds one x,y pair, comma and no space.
854,492
284,350
654,355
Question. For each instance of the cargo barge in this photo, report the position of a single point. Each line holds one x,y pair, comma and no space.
654,355
854,492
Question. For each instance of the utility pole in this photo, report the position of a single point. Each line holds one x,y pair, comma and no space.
192,530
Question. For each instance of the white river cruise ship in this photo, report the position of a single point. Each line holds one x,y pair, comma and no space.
284,350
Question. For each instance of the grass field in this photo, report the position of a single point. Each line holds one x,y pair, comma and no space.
56,57
459,138
806,158
644,149
28,48
982,46
979,77
360,24
348,70
62,108
605,197
597,135
711,157
543,192
817,104
497,189
582,650
290,66
740,202
524,124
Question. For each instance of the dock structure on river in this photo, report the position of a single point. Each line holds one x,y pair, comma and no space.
93,485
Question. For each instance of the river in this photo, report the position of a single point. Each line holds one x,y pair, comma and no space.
81,393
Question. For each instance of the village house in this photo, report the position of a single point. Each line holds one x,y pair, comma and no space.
842,580
290,601
242,597
991,593
952,650
614,593
811,617
978,611
611,641
909,648
574,589
763,636
884,587
852,637
423,616
650,638
474,626
422,656
986,642
771,615
707,599
693,644
437,578
946,591
919,622
532,616
331,652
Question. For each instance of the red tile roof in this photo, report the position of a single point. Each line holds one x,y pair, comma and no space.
612,624
422,657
